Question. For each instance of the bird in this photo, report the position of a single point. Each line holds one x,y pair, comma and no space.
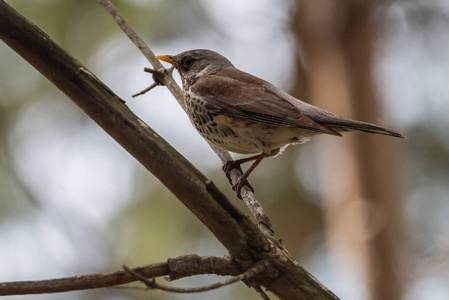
245,114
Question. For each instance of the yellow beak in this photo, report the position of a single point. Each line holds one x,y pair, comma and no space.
167,58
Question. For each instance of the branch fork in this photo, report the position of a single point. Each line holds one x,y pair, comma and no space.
158,78
258,268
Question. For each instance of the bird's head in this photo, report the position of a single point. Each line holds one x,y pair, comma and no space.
196,63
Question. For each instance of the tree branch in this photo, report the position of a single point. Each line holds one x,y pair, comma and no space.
151,284
191,265
245,242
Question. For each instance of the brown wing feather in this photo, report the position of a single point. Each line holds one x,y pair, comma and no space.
242,95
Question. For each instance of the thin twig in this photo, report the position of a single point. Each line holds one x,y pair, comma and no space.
168,80
191,265
165,77
146,90
149,70
134,37
151,284
247,195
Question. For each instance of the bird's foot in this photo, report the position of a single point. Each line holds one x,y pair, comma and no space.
227,167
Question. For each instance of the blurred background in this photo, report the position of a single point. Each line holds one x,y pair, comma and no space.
367,215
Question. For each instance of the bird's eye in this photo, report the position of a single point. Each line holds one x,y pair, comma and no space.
187,62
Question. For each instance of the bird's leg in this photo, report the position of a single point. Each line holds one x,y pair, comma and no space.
244,178
231,164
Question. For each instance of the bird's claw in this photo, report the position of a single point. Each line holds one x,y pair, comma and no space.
237,187
228,166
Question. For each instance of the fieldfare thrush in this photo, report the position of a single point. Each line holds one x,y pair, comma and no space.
242,113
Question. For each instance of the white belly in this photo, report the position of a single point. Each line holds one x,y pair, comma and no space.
251,137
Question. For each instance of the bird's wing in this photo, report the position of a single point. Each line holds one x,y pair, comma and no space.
242,95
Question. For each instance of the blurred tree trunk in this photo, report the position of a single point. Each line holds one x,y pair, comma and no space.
358,173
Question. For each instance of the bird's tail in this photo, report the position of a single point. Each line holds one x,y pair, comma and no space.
342,124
